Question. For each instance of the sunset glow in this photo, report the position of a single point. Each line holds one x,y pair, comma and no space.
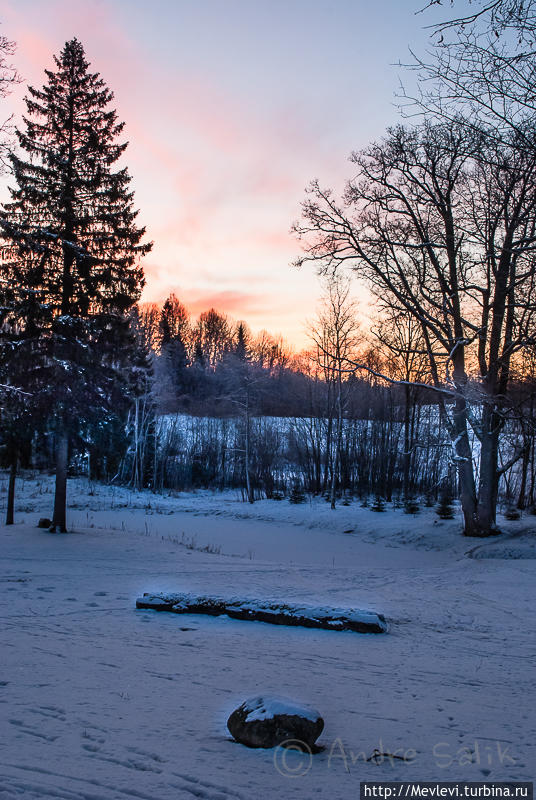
230,109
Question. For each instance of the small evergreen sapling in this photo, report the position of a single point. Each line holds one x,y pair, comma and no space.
411,506
378,505
445,509
297,494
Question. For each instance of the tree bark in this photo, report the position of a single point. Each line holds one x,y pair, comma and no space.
59,519
489,479
464,463
11,492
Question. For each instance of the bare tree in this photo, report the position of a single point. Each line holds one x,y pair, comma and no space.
9,77
335,334
441,223
400,339
482,67
149,315
213,336
242,380
15,403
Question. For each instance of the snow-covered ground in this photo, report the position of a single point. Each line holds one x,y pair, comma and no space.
100,701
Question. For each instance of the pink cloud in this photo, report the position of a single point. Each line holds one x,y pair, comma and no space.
216,181
226,301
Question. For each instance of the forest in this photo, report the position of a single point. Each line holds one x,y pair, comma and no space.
433,402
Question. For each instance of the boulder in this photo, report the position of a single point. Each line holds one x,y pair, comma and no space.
268,721
275,613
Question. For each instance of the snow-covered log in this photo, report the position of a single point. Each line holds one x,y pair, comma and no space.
305,616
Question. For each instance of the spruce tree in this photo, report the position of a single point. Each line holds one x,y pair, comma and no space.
378,505
297,495
411,506
75,259
445,509
175,335
241,347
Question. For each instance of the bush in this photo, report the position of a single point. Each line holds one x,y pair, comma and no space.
378,505
411,506
445,509
297,494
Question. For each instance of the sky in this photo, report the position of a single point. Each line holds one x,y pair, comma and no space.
231,108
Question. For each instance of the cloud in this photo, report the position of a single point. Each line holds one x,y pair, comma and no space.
218,175
227,301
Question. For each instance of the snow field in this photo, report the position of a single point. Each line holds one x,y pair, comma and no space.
100,701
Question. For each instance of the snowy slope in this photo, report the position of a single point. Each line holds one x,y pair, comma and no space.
100,701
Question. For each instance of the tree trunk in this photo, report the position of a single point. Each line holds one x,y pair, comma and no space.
532,475
249,488
59,522
488,482
464,463
11,492
407,442
337,457
521,501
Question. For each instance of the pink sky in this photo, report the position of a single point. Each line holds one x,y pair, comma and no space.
231,108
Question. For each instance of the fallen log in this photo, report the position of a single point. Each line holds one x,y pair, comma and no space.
324,617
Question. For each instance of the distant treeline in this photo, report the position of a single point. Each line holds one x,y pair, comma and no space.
226,409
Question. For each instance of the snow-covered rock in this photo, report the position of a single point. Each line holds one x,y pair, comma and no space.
268,721
271,611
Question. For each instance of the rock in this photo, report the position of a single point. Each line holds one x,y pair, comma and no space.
253,610
268,721
155,602
44,523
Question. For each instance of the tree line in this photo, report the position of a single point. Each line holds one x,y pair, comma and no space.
355,415
439,221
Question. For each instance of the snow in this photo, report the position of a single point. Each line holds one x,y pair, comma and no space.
270,706
101,702
341,618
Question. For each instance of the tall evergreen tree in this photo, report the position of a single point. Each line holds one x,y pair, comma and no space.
74,264
174,321
241,348
175,339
